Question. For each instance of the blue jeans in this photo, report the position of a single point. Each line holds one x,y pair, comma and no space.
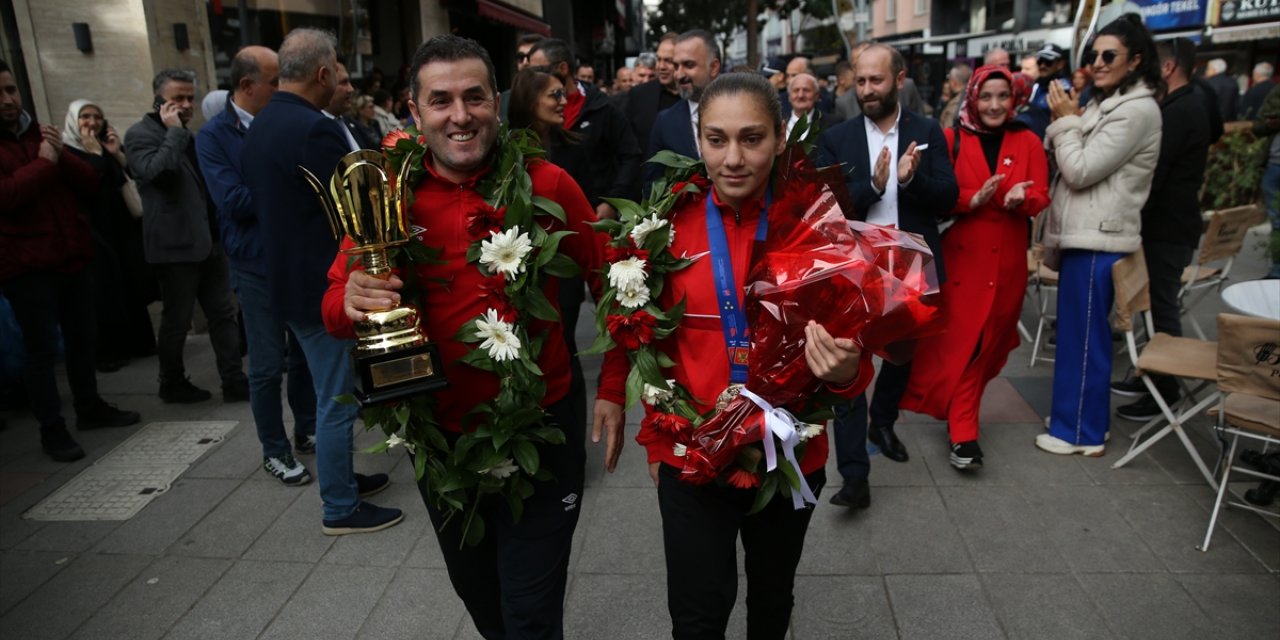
1271,201
331,373
1081,409
268,355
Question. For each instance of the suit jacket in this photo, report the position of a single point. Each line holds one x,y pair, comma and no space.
641,105
932,191
672,131
298,243
847,106
175,205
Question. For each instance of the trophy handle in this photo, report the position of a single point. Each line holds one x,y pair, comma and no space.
330,211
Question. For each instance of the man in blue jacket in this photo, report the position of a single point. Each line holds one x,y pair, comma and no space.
254,73
292,132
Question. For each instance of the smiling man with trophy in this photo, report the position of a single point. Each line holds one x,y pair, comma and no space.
299,244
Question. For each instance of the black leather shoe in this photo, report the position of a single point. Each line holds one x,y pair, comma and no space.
890,445
855,495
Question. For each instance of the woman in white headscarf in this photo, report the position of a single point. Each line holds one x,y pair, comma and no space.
122,281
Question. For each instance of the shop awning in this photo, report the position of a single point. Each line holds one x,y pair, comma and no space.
499,12
1244,32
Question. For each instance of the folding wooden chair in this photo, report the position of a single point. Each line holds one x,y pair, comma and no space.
1220,243
1183,358
1248,369
1042,287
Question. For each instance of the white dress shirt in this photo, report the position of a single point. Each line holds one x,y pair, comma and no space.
351,141
246,118
693,118
884,212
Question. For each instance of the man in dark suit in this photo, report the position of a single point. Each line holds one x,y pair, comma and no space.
298,244
646,100
1224,86
697,61
892,182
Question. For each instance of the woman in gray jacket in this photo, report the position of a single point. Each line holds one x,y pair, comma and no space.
1105,157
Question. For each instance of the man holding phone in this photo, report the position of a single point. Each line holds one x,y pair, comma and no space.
180,240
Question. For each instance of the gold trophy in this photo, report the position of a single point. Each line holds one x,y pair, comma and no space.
392,358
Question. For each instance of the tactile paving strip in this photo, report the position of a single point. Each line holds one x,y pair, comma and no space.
120,484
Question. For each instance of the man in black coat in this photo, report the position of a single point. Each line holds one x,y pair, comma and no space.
1171,218
908,188
646,100
1225,87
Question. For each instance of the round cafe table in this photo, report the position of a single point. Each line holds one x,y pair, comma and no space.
1257,298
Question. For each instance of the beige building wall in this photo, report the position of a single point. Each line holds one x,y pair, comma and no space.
906,20
132,40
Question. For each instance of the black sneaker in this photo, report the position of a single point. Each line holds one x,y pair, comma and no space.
369,485
182,392
1140,411
305,445
99,415
854,495
1130,388
367,518
237,391
966,455
287,470
59,445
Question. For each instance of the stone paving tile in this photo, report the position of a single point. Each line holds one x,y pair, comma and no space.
836,543
71,597
345,595
1035,606
25,571
1257,534
238,456
295,535
1089,531
1147,606
1241,606
162,522
243,601
426,551
841,607
1010,459
617,607
1172,524
237,521
941,606
912,533
387,548
626,535
1003,533
1001,403
15,483
69,536
154,600
419,603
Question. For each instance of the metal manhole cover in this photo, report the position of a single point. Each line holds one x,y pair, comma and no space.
106,493
120,484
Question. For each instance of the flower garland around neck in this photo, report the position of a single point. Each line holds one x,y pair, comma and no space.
638,260
495,454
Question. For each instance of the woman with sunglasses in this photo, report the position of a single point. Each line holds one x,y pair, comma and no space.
1004,180
537,102
1106,158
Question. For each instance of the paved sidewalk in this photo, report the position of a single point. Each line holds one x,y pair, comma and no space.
1032,546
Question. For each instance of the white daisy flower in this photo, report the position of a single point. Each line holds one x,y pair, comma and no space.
807,431
680,450
499,337
504,252
654,395
633,298
642,230
627,274
395,440
503,469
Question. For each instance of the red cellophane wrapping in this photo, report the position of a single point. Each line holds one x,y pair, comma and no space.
874,285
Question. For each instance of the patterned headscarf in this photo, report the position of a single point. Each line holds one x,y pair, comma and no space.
970,118
71,126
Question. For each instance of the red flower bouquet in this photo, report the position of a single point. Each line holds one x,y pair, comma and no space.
871,284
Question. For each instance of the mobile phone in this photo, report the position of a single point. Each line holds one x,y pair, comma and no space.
158,103
102,133
1066,84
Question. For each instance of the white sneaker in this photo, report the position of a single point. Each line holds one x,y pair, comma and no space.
1106,437
286,469
1046,442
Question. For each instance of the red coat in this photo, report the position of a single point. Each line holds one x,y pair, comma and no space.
43,227
453,293
985,253
698,346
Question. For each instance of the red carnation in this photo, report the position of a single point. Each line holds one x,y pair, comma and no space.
633,331
494,291
665,423
390,140
742,479
484,221
618,254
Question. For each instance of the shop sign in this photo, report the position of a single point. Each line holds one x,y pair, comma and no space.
1236,11
1160,15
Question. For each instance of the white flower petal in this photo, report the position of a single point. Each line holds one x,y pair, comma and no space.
633,298
503,469
498,337
505,252
680,450
628,274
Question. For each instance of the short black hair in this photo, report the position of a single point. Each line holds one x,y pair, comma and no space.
843,66
1130,30
556,51
171,75
705,36
448,48
1181,50
529,38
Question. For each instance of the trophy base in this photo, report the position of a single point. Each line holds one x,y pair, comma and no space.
385,377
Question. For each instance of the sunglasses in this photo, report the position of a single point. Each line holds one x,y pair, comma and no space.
521,57
1108,57
558,94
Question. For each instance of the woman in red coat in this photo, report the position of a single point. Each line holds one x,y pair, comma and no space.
1004,179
